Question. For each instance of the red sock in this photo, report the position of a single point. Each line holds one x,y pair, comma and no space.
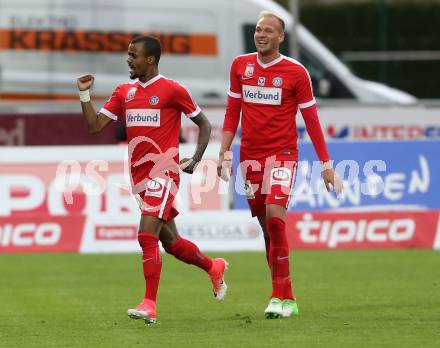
279,259
267,246
151,263
188,252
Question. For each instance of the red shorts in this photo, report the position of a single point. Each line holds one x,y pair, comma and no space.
268,182
158,197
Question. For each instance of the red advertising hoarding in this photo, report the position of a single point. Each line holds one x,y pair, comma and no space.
362,230
41,233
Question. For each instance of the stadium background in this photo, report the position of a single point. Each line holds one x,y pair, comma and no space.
364,295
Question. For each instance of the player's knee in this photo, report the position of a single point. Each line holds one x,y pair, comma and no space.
275,224
275,211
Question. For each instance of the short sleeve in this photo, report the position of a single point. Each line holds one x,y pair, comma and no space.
234,90
185,102
113,106
304,90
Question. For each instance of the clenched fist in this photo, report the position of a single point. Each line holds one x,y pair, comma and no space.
85,82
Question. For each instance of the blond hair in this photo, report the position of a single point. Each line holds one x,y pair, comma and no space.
265,14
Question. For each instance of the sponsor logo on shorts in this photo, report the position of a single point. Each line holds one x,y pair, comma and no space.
143,117
155,187
262,95
280,176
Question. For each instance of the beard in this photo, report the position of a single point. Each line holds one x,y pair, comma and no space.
133,74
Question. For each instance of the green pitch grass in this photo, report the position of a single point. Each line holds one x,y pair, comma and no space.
346,298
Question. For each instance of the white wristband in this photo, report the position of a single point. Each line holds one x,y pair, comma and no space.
327,165
84,96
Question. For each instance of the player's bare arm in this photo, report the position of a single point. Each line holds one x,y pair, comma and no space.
95,122
188,165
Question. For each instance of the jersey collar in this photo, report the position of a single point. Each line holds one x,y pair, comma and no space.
275,61
151,81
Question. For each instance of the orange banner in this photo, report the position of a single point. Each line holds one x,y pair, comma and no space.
100,41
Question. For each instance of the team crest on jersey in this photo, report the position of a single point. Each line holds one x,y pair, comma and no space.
277,81
154,100
261,81
130,94
249,71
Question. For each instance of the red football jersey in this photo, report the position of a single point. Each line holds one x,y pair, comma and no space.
152,112
270,94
